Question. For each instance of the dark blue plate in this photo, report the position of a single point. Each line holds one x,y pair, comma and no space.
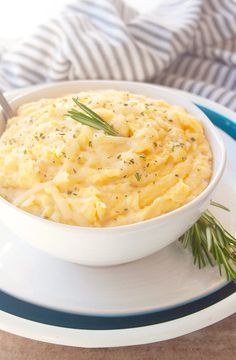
26,310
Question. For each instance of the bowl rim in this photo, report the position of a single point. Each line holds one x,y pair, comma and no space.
148,222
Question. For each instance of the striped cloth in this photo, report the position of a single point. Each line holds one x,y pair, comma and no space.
186,44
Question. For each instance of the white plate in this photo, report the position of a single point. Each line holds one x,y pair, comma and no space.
156,298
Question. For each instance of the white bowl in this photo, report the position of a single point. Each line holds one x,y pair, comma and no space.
121,244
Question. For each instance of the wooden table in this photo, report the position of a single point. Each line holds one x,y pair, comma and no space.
217,342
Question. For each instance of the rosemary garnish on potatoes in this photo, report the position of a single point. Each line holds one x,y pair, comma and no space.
211,244
90,118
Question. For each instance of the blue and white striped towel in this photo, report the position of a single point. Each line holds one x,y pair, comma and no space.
187,44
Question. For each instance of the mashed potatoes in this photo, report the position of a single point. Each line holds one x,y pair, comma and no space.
59,169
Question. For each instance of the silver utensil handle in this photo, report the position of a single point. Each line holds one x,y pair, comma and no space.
5,106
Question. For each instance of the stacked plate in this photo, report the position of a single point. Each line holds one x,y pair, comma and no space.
156,298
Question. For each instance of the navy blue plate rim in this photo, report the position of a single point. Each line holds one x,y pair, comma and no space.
26,310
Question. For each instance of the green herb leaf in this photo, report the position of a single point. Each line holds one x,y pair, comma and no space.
138,176
219,205
90,118
211,244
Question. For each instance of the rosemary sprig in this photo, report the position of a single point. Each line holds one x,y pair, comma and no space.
211,244
90,118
